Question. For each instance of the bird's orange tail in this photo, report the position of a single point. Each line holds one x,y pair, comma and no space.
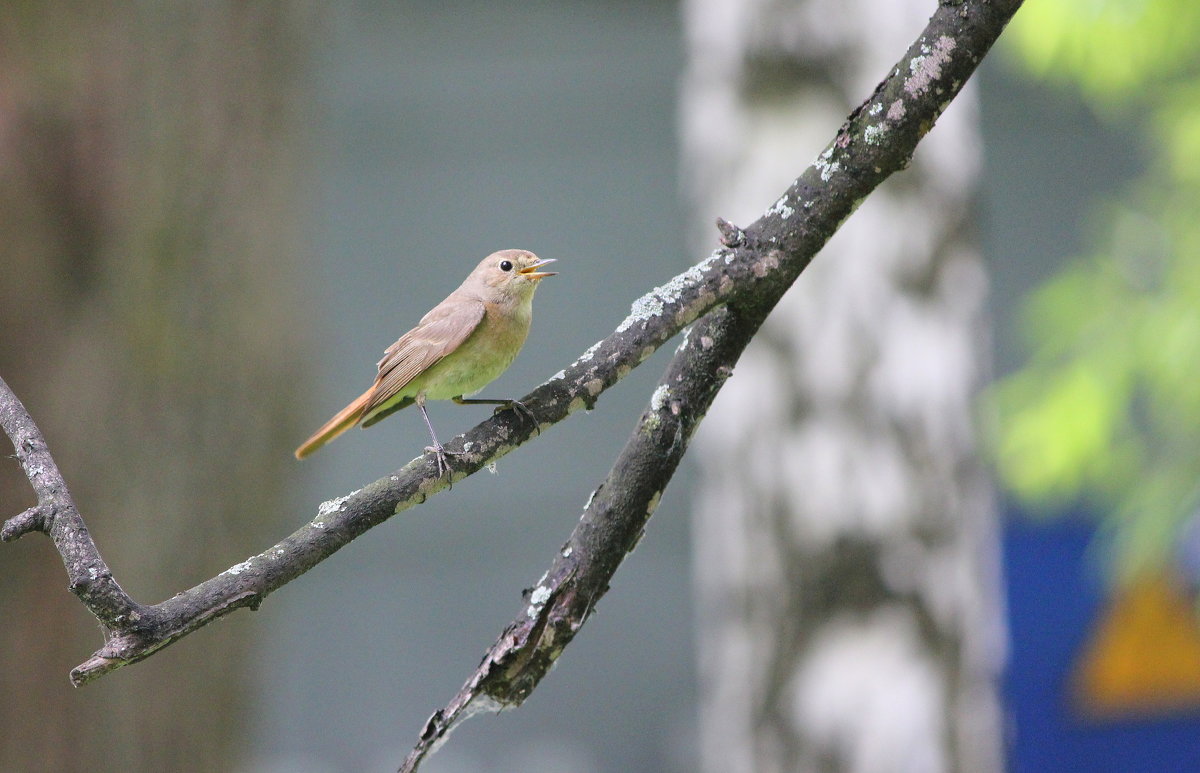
342,421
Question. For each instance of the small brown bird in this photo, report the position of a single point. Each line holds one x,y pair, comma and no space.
457,349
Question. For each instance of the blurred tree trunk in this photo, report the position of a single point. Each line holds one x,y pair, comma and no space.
150,216
847,546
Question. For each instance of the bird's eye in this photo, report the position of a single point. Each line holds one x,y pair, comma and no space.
506,265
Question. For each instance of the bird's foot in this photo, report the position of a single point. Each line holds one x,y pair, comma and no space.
439,455
522,412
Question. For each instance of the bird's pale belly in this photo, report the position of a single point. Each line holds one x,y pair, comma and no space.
476,363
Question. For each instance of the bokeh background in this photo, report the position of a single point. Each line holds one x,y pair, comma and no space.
215,216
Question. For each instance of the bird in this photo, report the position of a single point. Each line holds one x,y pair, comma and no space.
458,348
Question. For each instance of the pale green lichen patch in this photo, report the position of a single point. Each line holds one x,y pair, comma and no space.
591,352
659,397
652,303
333,505
652,505
576,405
874,133
237,569
648,306
537,599
825,167
781,208
539,595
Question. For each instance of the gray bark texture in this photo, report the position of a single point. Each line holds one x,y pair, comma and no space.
847,547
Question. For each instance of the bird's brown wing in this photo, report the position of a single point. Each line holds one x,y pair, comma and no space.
439,333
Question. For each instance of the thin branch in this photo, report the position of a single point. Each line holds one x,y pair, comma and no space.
613,521
877,139
33,519
55,514
612,524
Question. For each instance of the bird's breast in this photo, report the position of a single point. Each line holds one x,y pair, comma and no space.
483,356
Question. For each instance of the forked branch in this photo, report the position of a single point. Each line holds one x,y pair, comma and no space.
779,247
733,289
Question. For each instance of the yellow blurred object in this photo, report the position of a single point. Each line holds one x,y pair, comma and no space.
1144,656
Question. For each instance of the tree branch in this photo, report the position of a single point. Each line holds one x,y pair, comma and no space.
55,515
749,275
877,138
612,524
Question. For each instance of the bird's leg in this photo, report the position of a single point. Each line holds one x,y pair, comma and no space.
517,407
439,452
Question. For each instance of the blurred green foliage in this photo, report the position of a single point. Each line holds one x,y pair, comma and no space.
1112,50
1107,408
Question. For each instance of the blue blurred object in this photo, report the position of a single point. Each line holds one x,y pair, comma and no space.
1055,594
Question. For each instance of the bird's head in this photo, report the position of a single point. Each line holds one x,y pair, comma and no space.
511,272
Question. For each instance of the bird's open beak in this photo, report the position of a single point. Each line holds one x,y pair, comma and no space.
530,272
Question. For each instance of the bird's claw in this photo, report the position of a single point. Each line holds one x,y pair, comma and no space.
522,412
439,455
